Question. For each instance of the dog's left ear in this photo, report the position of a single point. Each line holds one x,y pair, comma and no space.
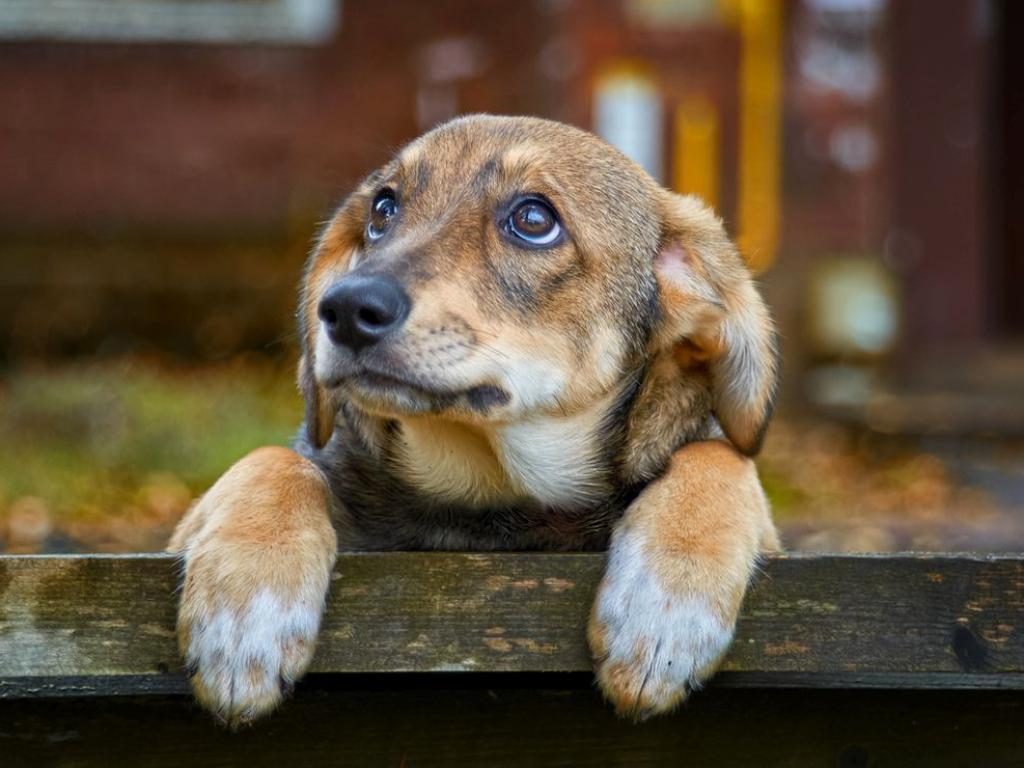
712,314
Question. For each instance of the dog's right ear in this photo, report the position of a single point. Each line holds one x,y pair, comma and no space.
329,259
321,405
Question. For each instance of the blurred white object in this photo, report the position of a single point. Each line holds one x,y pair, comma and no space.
854,310
628,115
854,148
664,14
192,21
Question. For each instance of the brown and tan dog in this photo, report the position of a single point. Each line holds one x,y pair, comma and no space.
513,338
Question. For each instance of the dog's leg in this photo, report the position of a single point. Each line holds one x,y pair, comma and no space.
258,550
678,566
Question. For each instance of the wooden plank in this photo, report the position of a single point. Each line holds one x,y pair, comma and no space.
78,625
501,726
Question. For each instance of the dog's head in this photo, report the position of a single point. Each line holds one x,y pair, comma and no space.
503,269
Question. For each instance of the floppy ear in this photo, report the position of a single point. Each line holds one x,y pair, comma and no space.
321,405
712,314
329,259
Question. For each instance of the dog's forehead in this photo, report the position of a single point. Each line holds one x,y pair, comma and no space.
442,163
482,152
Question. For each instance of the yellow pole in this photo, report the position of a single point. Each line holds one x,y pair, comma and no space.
760,144
695,164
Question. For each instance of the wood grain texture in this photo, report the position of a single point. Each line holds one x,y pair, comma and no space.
80,625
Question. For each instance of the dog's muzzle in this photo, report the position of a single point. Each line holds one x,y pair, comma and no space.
360,310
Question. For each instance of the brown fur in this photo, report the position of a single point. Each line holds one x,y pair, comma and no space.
702,525
237,542
532,398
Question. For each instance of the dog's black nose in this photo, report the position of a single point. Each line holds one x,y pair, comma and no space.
360,310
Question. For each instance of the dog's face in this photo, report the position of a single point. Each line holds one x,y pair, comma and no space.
481,271
504,269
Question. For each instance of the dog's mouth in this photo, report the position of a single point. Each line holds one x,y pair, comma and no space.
383,381
392,393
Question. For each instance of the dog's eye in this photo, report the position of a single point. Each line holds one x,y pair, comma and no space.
383,210
535,222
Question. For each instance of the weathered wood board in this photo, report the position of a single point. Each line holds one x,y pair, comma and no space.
103,625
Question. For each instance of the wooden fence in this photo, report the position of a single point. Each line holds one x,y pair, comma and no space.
473,659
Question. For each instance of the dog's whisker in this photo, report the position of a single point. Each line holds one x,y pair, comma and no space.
491,352
481,331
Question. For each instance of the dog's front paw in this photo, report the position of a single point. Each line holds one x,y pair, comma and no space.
652,645
246,635
258,550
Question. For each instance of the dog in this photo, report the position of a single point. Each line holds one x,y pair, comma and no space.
512,338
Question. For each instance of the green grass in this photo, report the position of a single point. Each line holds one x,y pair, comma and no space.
88,439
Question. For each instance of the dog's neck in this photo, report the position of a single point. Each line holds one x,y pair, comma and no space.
557,461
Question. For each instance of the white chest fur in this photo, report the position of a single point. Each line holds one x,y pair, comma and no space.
554,460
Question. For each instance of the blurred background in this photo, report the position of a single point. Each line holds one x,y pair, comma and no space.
165,163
